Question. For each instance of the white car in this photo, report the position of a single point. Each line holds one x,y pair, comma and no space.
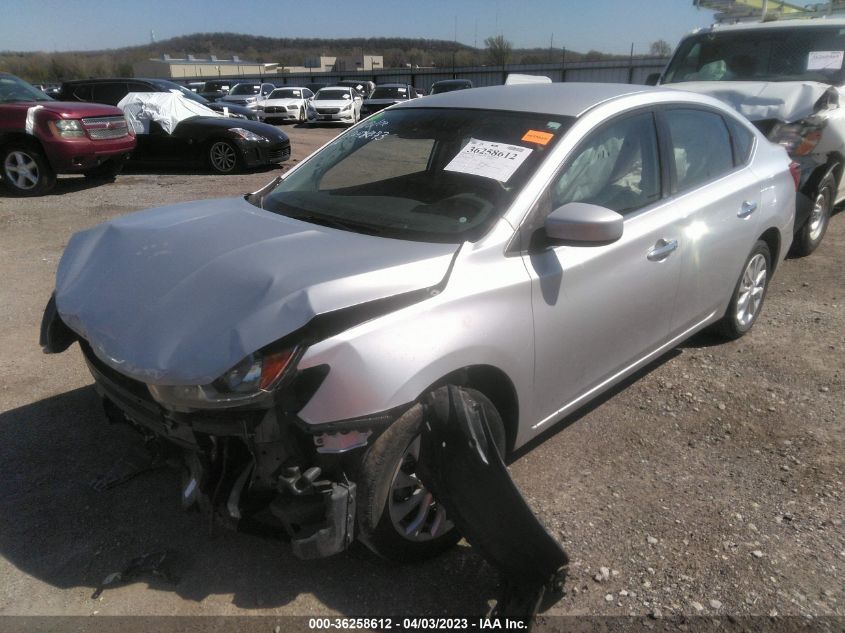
288,104
335,104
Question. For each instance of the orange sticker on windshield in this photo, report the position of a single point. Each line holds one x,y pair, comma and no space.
534,136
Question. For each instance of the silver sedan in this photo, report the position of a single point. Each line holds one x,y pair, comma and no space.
532,244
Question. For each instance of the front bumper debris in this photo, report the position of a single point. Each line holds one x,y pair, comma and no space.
461,466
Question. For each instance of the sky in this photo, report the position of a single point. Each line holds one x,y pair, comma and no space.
606,25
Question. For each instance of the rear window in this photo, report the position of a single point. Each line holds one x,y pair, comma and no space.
390,92
245,89
743,141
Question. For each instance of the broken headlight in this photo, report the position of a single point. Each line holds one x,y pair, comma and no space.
251,379
798,139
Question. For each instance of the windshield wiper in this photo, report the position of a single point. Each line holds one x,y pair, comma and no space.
337,224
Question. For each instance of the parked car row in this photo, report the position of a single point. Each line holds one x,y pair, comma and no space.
40,137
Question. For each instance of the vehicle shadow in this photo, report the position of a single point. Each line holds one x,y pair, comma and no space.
64,184
188,169
60,531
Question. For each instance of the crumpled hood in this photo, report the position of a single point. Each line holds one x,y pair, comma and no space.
180,294
785,101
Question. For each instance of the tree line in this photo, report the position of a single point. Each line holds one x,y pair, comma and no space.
44,67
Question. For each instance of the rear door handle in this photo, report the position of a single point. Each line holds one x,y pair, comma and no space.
747,209
662,249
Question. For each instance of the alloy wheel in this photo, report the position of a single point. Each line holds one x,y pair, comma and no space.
412,508
818,216
223,157
751,290
21,169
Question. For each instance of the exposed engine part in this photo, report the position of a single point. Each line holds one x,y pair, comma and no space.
321,523
341,442
297,483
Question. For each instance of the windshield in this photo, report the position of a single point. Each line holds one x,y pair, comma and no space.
286,93
13,89
420,174
332,95
813,53
245,89
390,93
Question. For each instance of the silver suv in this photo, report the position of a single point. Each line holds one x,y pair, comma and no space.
787,77
532,245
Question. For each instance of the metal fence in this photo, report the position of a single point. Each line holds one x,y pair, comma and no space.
633,71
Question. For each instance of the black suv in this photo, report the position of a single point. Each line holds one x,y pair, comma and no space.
111,91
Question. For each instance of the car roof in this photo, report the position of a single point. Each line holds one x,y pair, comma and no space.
563,99
773,24
452,81
392,85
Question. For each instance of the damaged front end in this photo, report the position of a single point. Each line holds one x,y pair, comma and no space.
251,465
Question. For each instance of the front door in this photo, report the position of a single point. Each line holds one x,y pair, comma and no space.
599,309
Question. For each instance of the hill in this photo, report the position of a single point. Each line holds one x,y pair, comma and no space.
42,67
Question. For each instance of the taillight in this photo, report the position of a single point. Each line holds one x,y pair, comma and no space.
795,170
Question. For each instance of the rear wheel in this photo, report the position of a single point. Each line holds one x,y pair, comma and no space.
26,171
809,236
749,293
223,157
398,518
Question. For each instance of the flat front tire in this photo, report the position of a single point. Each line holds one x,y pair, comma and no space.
749,293
398,518
26,171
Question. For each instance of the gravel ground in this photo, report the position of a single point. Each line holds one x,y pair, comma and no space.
709,484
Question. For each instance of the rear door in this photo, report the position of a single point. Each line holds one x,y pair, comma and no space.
718,194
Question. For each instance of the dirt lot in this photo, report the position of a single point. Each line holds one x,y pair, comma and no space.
712,483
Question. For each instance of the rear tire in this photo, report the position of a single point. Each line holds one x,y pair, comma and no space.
388,486
809,236
749,294
26,172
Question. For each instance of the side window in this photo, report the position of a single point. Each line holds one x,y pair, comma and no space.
743,141
137,86
701,146
110,92
81,92
617,168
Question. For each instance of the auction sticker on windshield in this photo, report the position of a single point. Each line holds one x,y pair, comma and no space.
821,60
498,161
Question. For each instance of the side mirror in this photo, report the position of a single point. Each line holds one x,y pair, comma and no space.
652,79
583,223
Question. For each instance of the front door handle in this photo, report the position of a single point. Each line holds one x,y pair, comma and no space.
747,209
662,249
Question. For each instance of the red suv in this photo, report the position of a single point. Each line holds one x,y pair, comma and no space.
40,138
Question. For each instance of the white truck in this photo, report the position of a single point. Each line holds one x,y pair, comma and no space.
787,77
